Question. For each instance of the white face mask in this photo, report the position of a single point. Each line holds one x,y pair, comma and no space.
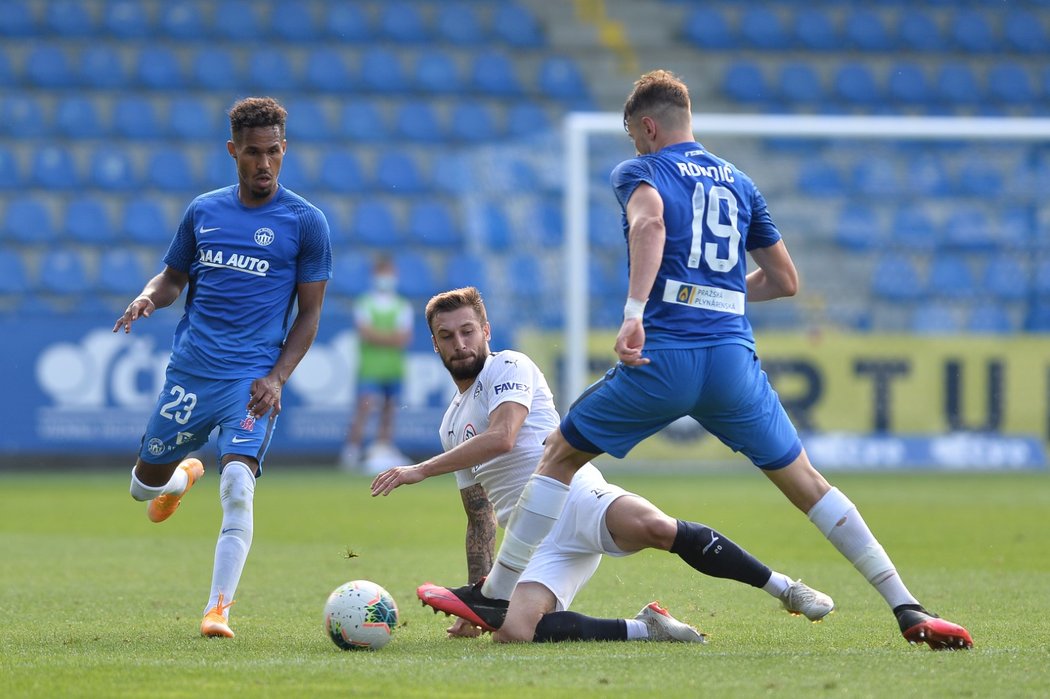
385,282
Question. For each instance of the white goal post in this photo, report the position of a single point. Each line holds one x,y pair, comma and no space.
578,126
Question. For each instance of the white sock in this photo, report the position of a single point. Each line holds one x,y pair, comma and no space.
837,518
175,485
538,508
777,584
637,630
236,493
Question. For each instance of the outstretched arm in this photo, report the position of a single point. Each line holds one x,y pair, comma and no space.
159,292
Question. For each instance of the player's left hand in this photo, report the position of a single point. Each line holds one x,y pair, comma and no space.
385,482
265,396
463,629
630,341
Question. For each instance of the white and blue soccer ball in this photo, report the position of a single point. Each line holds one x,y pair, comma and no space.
360,615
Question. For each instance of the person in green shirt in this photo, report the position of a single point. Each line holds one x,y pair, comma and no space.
384,326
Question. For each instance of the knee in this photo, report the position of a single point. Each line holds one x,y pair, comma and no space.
559,459
657,531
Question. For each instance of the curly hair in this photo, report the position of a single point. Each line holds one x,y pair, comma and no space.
455,299
253,112
658,93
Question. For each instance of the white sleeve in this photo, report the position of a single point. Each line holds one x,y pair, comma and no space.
512,377
465,478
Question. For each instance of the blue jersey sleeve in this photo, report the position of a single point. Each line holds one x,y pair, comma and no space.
626,177
183,247
762,232
315,253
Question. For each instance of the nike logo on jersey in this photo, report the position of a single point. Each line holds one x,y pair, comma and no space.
204,230
240,440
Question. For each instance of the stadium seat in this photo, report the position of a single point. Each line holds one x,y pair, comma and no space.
525,118
101,66
968,229
415,276
761,27
909,84
402,22
431,222
159,68
859,228
297,172
271,71
7,71
971,31
979,175
373,222
183,20
559,78
126,19
28,221
814,29
1025,32
135,116
493,73
1010,82
800,83
77,116
917,30
69,18
10,168
113,168
382,71
877,176
1041,279
1037,319
866,29
818,177
989,318
524,275
17,18
347,21
327,71
745,82
709,28
896,279
49,66
219,168
399,172
64,271
170,168
927,175
855,83
473,121
362,119
1016,229
436,72
1006,278
22,116
516,25
419,120
14,274
340,171
240,20
308,120
294,22
216,68
551,232
459,24
55,167
145,220
194,118
950,277
87,220
351,275
488,223
120,271
957,85
913,229
466,269
935,318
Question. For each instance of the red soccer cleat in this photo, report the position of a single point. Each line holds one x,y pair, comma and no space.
921,626
466,602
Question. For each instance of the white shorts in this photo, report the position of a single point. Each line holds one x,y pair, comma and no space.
568,557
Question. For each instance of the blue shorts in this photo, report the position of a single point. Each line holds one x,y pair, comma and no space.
190,407
390,388
722,387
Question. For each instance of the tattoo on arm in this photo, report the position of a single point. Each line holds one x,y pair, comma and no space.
481,532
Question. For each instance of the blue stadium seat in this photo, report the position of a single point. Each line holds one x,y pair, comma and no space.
347,21
351,275
193,118
709,28
815,30
927,175
979,176
145,220
419,120
100,65
516,25
294,22
113,168
271,71
374,222
473,121
909,84
297,172
17,18
1016,228
22,116
957,84
69,18
859,228
135,116
308,120
399,172
459,24
340,171
28,221
935,318
466,269
551,232
7,72
1010,82
402,22
877,176
913,228
968,228
383,71
855,83
865,29
972,32
183,20
917,30
436,71
745,82
431,222
1025,32
64,271
159,68
326,70
11,176
896,278
216,68
334,209
989,318
820,178
55,167
362,119
219,168
493,73
800,83
14,273
87,221
416,278
126,19
1006,278
77,116
120,271
524,275
762,28
950,277
49,66
489,223
1037,319
560,78
525,118
170,169
239,20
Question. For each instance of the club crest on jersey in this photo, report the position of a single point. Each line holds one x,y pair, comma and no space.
264,236
155,446
478,388
469,432
248,423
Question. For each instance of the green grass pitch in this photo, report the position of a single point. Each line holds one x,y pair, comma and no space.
96,601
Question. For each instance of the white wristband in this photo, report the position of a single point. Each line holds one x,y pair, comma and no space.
633,309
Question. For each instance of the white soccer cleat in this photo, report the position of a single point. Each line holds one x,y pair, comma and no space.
664,627
801,599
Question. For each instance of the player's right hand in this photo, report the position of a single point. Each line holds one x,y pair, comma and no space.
463,629
141,307
630,341
385,482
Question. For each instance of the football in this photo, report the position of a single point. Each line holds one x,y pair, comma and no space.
360,615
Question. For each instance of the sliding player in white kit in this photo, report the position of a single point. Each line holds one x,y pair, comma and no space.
493,434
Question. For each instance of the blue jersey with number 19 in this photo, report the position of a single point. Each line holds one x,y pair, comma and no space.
244,264
713,214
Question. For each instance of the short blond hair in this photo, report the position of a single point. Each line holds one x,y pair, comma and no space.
662,95
454,299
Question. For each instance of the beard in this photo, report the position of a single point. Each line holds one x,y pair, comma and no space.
465,368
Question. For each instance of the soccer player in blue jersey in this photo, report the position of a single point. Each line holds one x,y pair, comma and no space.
686,348
251,253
